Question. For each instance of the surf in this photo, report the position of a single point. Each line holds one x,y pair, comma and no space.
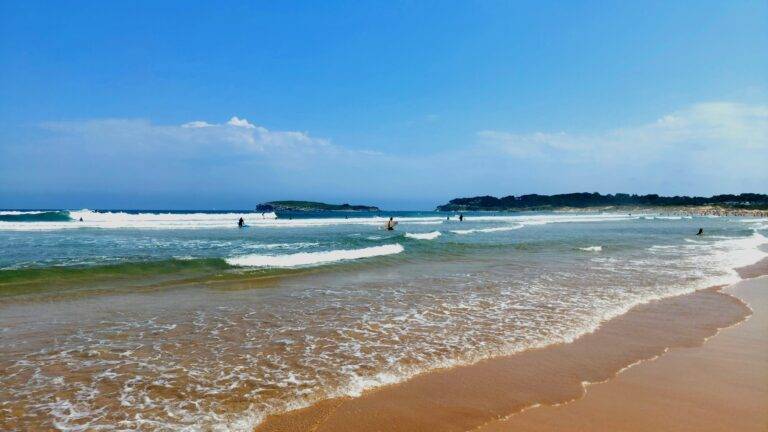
35,216
424,236
302,259
487,230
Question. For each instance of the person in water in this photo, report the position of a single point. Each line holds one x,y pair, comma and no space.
701,231
240,223
461,217
391,224
81,219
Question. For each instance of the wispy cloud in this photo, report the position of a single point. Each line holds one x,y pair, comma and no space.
196,125
702,131
237,134
704,148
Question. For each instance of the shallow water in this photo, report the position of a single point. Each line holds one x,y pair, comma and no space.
166,322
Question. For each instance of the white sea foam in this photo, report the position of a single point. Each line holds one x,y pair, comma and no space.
722,256
733,253
116,220
339,337
313,258
548,218
520,221
270,246
487,230
105,220
16,212
757,223
424,236
592,248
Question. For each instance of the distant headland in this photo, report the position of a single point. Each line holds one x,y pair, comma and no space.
744,201
273,206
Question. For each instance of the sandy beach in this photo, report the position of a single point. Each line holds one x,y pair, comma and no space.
720,386
645,370
440,326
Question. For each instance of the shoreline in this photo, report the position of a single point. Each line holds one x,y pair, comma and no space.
495,390
719,386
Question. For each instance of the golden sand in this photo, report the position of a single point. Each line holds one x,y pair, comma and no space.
720,386
600,382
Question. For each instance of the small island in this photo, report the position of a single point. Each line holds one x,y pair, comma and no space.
275,206
584,200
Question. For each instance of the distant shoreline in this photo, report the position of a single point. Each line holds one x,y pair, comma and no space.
745,202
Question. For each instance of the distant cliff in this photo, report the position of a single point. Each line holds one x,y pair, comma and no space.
273,206
585,199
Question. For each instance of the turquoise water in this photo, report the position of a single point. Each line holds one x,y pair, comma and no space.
121,241
161,320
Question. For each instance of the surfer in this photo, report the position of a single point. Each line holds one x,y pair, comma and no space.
81,219
391,224
701,232
461,217
240,223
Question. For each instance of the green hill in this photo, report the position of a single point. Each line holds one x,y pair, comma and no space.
585,199
273,206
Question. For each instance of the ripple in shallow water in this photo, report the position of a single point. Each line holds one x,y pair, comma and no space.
222,360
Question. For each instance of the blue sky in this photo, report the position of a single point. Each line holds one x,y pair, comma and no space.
401,104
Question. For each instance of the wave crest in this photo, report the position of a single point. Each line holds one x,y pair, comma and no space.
35,216
424,236
313,258
487,230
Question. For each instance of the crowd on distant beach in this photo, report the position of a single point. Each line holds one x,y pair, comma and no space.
718,212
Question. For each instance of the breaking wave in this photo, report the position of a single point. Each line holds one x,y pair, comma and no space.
35,216
592,248
487,230
424,236
313,258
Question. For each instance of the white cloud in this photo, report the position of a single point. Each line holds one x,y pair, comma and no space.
705,148
196,125
702,130
238,122
245,135
714,146
194,139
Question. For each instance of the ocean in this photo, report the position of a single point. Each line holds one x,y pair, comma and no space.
160,320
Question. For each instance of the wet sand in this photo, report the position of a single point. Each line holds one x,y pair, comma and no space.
720,386
487,395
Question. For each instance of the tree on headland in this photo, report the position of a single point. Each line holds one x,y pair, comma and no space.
594,199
